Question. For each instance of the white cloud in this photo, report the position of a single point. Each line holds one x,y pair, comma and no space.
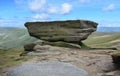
37,5
66,8
110,7
53,10
42,16
43,9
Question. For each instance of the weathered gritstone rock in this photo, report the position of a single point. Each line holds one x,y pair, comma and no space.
73,31
48,69
116,58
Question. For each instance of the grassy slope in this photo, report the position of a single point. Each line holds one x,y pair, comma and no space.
102,39
11,57
15,38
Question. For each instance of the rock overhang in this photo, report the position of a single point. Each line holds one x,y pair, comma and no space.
72,31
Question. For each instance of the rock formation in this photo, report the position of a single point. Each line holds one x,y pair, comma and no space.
116,58
47,69
72,31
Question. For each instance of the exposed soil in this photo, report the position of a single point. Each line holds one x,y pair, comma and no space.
95,62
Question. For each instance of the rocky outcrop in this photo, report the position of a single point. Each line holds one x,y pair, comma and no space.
73,31
116,58
30,47
47,69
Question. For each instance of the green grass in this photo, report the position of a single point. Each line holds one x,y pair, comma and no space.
102,39
83,46
11,57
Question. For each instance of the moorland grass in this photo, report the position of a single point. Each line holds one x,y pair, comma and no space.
102,40
11,57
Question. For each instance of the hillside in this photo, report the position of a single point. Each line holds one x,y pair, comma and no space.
14,38
101,39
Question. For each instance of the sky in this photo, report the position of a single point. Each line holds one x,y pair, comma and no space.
14,13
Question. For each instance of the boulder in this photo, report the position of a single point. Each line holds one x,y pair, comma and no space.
73,31
29,47
47,69
116,58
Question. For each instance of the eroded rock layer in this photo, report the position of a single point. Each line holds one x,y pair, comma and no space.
73,31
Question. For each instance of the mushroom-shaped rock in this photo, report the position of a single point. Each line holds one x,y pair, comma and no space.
73,31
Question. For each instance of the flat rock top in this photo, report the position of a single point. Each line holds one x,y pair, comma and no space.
47,69
64,22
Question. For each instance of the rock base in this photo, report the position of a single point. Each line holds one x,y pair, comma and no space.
47,69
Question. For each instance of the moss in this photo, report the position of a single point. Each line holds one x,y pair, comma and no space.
83,46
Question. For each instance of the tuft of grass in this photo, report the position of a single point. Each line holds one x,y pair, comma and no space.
11,57
83,46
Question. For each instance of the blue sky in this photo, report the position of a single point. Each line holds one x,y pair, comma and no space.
14,13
